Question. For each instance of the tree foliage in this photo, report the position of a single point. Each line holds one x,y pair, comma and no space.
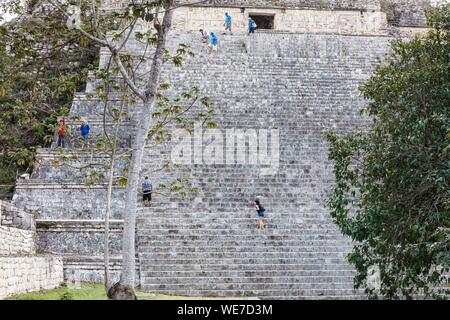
42,65
152,109
392,181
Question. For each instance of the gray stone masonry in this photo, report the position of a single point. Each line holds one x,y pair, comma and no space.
323,4
15,241
311,4
14,217
20,274
21,268
406,12
208,244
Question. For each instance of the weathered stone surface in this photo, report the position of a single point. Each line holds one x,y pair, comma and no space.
21,270
308,21
331,4
14,217
15,241
29,273
302,82
65,200
348,13
78,237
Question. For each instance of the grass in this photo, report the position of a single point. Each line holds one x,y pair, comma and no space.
89,291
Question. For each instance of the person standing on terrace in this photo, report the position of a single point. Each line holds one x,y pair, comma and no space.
251,26
228,23
62,133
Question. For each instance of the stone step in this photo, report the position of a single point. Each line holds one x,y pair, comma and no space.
231,219
148,273
312,213
233,232
169,244
242,239
313,282
240,226
235,291
238,223
269,294
250,224
175,250
256,260
275,255
321,265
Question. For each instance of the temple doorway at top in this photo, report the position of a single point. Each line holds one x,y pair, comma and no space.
263,21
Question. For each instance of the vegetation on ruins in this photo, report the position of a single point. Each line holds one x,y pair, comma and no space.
392,181
42,64
109,156
50,93
152,110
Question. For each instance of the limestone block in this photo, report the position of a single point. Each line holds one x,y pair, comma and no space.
31,273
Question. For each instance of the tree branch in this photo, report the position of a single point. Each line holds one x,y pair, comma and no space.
86,34
125,74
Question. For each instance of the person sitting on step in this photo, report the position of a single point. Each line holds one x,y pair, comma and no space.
205,37
147,191
260,211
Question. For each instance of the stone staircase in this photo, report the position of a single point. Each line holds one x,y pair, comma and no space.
223,254
207,244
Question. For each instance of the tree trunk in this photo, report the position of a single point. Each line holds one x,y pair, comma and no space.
112,161
143,120
107,215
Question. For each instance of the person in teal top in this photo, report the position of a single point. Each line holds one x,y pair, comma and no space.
213,39
213,42
228,23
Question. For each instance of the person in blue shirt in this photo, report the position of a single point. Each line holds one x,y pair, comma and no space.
251,26
227,23
84,128
213,42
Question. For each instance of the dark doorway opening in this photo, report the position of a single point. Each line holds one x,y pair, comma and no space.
265,22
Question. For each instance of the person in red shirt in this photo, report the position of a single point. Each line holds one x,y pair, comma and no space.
62,133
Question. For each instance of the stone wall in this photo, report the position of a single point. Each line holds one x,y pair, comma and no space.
304,21
317,4
310,16
406,13
322,4
47,199
15,241
21,270
14,217
29,273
